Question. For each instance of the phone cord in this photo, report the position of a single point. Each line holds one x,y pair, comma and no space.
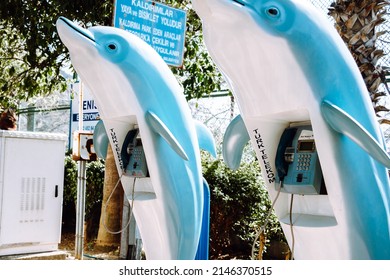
292,228
131,207
262,228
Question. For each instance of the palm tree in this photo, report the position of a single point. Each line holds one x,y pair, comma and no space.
357,22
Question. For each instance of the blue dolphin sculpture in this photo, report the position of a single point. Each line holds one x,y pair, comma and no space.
134,88
286,65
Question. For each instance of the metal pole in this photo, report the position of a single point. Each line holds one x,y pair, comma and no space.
81,187
30,118
124,247
80,209
81,113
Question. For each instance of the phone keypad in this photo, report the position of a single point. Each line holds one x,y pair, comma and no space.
137,154
304,161
137,165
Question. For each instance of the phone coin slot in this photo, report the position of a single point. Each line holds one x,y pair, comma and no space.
299,178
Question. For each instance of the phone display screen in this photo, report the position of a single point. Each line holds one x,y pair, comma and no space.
306,146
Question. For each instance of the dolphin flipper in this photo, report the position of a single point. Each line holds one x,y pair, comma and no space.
205,138
160,128
100,140
343,123
235,138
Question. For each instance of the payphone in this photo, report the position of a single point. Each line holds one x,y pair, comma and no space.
297,163
133,156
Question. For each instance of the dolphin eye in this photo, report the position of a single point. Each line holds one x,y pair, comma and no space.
277,16
273,12
112,47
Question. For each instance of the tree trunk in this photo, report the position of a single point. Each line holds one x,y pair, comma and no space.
357,22
110,219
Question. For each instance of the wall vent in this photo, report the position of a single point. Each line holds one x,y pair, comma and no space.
32,199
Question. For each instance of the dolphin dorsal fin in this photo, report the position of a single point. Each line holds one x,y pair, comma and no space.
345,124
234,140
205,138
160,128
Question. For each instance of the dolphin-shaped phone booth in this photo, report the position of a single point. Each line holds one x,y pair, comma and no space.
137,95
307,112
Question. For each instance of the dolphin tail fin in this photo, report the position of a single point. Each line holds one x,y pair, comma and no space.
205,138
159,127
343,123
100,140
203,245
234,140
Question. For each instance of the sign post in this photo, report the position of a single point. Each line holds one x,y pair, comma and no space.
161,26
81,187
82,151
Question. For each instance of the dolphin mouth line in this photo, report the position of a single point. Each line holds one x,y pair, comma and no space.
239,2
76,28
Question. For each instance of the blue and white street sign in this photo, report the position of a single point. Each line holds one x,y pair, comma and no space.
159,25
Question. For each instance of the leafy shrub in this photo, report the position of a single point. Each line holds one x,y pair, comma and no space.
94,188
70,180
239,206
94,193
69,194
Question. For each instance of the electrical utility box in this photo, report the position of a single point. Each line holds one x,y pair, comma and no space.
31,191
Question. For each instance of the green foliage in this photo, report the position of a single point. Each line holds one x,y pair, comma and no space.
94,192
70,182
31,53
239,206
94,186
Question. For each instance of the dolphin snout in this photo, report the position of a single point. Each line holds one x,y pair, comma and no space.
71,33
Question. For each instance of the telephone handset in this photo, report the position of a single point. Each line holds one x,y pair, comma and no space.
285,152
297,162
133,156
